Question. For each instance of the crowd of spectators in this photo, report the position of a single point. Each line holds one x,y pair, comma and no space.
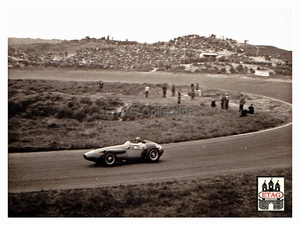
105,53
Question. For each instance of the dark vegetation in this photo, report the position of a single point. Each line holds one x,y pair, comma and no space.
220,196
52,115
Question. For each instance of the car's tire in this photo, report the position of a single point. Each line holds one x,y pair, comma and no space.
152,155
109,159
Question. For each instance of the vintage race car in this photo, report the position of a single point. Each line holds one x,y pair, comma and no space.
142,150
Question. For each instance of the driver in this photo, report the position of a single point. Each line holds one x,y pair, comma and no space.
138,140
140,143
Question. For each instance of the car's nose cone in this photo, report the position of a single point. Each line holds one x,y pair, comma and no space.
91,155
85,156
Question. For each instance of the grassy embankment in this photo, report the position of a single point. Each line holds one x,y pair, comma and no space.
220,196
51,115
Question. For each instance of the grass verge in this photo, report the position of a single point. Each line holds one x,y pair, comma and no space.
53,115
220,196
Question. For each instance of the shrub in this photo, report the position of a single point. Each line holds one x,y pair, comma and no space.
64,112
100,102
113,101
95,116
94,109
14,108
86,100
216,69
79,115
252,70
73,104
40,108
222,70
51,123
232,70
240,68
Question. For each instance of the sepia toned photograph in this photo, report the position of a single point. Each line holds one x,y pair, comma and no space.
149,109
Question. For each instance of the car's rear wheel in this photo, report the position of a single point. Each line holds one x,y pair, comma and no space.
109,159
153,155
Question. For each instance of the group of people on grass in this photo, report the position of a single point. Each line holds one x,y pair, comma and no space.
224,99
225,103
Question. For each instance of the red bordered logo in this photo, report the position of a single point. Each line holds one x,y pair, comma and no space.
270,193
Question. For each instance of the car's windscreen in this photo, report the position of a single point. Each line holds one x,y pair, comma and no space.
127,144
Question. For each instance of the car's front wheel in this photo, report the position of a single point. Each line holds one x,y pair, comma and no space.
109,159
152,155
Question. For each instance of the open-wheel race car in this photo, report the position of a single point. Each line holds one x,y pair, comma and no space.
140,150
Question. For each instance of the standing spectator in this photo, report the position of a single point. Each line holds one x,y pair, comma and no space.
192,91
164,88
223,99
197,91
173,90
101,86
193,94
242,103
147,88
192,87
226,103
179,96
251,109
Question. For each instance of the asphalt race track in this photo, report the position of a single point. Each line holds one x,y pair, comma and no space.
235,154
264,150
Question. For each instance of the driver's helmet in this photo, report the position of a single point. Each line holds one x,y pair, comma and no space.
138,139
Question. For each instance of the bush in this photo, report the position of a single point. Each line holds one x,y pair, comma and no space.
40,108
15,107
222,70
64,112
86,100
252,70
232,70
215,69
79,115
100,102
73,104
240,68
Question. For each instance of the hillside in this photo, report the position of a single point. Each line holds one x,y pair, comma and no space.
191,53
27,41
